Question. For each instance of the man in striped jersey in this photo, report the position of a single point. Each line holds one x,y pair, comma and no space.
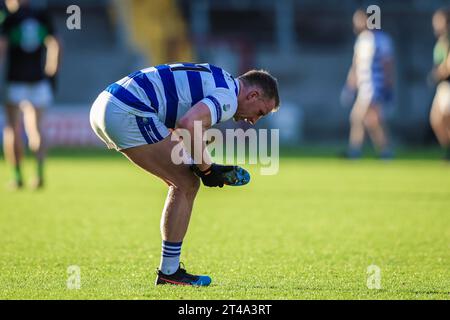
136,115
371,77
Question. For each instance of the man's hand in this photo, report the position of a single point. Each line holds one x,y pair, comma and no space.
213,176
347,97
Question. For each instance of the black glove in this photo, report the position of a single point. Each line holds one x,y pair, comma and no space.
213,176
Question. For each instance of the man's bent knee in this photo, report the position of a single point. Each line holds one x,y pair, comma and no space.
370,122
12,131
372,119
189,187
356,117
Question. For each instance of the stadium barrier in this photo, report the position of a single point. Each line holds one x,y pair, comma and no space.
66,126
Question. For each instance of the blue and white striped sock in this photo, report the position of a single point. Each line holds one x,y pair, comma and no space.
170,257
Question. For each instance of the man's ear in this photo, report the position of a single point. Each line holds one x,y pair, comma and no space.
253,94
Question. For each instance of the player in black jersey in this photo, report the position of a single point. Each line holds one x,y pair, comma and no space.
28,42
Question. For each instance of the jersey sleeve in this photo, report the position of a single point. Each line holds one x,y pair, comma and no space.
222,104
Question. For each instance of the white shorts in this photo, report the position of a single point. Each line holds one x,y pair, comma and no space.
442,97
121,129
38,93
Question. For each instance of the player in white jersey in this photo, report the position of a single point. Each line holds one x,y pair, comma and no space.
371,78
137,114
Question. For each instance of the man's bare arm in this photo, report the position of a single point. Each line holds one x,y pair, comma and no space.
53,55
199,112
3,48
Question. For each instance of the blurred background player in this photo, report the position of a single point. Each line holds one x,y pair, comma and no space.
371,79
440,110
32,53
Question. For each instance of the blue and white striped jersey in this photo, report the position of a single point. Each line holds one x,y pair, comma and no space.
169,90
371,48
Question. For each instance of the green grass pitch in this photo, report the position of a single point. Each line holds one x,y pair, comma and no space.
309,232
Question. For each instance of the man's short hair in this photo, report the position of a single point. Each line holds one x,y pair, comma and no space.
264,80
